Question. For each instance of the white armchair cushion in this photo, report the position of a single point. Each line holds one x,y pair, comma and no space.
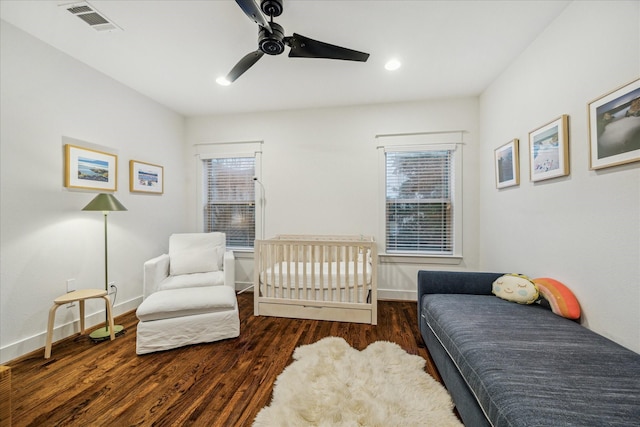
194,280
195,252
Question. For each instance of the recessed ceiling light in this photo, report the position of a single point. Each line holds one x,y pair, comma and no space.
392,64
222,81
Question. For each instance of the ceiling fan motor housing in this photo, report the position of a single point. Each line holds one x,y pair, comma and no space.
271,43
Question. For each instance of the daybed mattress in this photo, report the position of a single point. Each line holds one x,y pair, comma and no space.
496,346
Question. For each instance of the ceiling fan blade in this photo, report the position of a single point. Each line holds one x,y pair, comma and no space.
243,65
304,47
251,9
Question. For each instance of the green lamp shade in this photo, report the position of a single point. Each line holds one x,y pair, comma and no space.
104,202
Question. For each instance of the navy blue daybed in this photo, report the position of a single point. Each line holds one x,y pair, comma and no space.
507,364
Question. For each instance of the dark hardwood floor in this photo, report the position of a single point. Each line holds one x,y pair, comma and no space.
225,383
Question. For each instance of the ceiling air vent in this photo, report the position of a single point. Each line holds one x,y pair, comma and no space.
90,15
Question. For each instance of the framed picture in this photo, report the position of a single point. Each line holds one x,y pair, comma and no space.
549,150
90,169
614,127
507,165
145,177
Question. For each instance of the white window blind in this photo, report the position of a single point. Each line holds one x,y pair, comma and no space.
419,201
230,199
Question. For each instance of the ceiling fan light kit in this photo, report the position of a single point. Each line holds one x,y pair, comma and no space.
272,40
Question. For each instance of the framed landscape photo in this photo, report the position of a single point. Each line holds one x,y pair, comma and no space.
614,127
507,162
90,169
549,150
145,177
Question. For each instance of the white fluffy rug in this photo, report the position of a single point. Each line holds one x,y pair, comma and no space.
332,384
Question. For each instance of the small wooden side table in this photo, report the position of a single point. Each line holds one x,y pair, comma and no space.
79,296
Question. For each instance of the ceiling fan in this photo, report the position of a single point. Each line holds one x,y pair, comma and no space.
271,40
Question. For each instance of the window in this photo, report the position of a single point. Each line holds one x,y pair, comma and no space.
420,208
229,199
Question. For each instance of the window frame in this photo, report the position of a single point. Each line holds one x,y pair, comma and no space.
455,188
226,151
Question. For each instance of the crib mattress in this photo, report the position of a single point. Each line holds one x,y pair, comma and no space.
317,281
316,275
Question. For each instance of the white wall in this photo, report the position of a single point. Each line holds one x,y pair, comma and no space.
320,170
45,238
584,229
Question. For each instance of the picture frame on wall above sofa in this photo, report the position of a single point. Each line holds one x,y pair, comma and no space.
614,127
145,177
90,169
549,150
507,161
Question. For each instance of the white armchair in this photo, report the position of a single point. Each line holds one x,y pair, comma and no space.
194,259
189,294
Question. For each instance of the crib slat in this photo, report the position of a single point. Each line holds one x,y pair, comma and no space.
330,279
323,253
304,272
359,281
351,284
287,260
274,250
296,277
355,294
362,296
336,290
313,272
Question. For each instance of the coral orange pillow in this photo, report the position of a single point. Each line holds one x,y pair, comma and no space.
561,299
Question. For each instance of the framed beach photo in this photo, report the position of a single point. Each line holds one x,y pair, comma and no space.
549,150
507,162
145,177
90,169
614,127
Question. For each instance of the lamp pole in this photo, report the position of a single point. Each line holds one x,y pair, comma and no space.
106,268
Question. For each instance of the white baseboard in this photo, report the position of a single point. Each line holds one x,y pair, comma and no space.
36,342
397,295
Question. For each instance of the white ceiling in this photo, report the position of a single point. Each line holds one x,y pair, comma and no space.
172,51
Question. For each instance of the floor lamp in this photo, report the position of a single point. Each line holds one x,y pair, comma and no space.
105,203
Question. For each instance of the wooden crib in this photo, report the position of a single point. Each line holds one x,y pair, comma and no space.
317,277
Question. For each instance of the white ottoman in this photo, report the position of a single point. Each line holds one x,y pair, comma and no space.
179,317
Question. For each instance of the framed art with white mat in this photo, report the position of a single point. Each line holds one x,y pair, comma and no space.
614,127
549,150
507,161
145,177
90,169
